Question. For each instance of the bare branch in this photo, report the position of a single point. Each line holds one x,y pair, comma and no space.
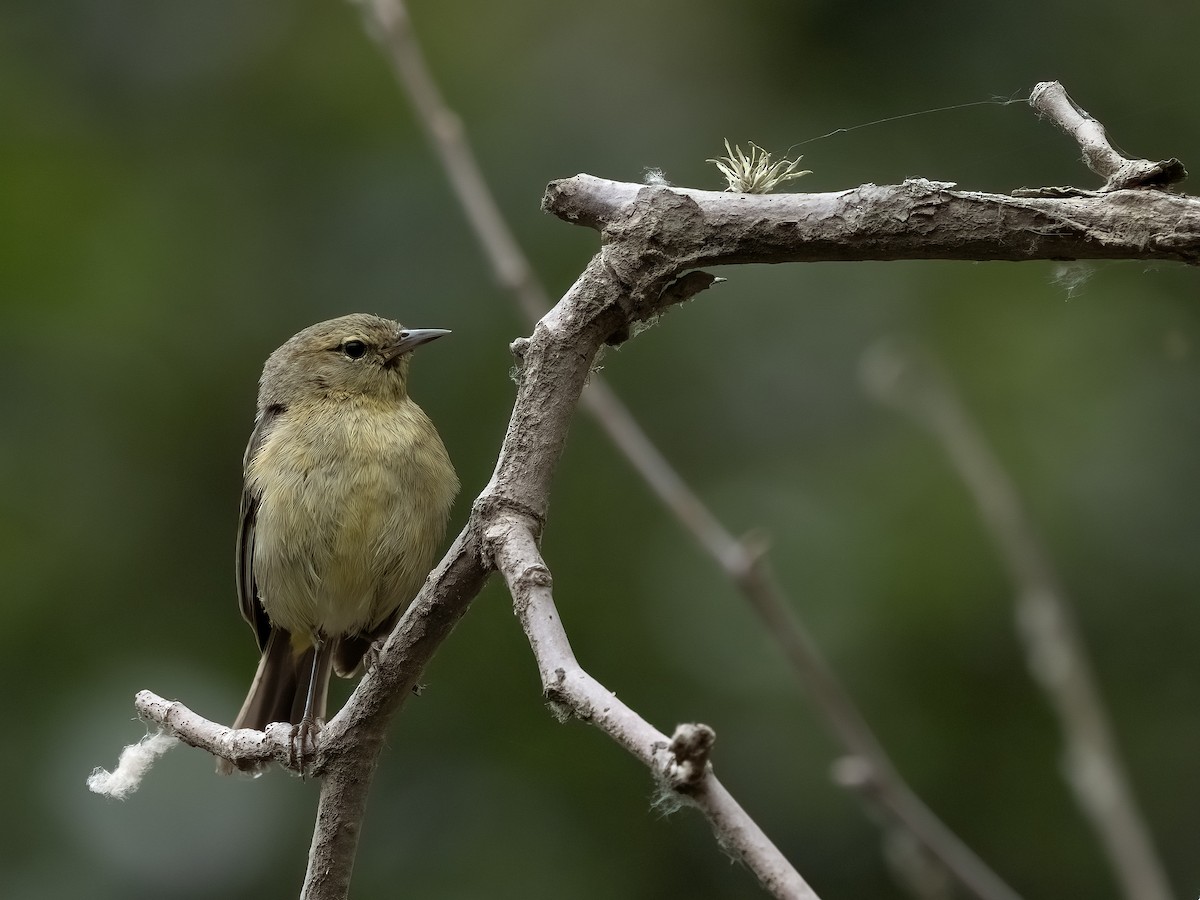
1050,99
918,219
243,745
909,380
680,763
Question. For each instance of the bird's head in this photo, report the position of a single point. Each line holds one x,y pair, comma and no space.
354,355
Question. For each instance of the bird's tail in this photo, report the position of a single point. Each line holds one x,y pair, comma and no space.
280,688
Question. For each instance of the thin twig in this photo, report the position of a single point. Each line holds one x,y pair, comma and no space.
243,745
1051,99
680,763
443,128
908,379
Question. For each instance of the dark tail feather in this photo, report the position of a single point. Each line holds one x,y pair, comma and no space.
280,688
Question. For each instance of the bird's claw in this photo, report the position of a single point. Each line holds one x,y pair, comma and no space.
302,748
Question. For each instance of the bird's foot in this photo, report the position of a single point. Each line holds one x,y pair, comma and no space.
303,746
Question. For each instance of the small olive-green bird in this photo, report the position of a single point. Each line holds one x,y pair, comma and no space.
348,487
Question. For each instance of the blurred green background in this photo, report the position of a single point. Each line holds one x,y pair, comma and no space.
188,184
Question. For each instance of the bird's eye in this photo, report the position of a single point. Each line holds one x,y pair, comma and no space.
354,349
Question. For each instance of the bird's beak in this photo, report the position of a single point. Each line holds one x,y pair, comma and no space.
410,339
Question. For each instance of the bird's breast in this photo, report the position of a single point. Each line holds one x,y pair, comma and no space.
353,500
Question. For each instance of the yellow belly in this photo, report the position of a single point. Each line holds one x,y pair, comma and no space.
354,498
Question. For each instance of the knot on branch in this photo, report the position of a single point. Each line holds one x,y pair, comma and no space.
535,575
925,196
744,560
651,240
493,514
689,748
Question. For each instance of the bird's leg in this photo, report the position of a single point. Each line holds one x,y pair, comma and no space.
304,736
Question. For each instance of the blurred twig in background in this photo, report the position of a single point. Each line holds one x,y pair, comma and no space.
878,781
908,379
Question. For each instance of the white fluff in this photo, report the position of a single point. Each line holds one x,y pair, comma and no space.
135,762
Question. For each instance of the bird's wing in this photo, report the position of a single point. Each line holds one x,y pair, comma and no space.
247,588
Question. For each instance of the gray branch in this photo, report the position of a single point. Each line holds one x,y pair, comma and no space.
680,763
1051,99
680,228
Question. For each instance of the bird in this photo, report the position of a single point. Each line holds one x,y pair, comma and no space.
346,494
